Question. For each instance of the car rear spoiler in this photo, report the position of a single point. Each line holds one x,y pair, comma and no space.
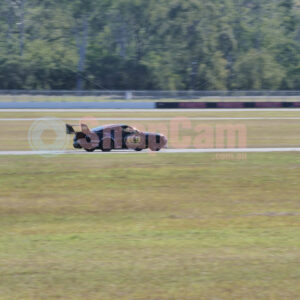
70,129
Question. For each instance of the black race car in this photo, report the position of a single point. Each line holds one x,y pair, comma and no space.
109,137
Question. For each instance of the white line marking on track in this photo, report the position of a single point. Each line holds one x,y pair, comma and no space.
152,119
164,151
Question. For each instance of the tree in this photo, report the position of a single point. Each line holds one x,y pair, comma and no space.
149,44
258,71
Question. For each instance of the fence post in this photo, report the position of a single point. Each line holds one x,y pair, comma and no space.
128,95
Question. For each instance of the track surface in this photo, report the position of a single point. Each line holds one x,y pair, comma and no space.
236,150
154,119
164,151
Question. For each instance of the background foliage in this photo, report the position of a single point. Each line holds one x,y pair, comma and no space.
150,44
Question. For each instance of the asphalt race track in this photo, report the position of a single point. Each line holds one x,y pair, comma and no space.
155,119
164,151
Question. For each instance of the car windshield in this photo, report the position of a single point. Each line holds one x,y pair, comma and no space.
130,129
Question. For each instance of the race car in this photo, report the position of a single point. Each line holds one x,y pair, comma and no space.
109,137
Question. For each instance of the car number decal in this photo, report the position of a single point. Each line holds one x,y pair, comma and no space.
134,139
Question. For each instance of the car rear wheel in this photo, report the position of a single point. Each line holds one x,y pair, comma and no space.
138,149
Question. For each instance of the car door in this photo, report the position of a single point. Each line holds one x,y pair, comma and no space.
135,139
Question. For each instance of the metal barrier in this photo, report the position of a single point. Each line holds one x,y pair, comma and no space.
100,95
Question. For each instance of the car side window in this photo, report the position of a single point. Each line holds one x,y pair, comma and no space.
128,129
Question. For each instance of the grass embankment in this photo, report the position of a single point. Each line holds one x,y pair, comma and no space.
150,227
45,98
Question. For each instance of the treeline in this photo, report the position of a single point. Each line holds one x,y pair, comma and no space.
150,44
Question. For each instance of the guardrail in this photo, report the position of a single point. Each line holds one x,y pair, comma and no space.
131,105
156,94
99,95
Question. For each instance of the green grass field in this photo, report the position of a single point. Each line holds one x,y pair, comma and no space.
166,226
151,226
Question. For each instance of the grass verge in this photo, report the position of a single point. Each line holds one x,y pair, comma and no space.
174,226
